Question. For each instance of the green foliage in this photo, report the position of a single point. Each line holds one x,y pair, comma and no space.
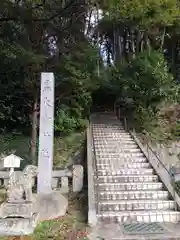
25,52
143,13
64,122
142,85
147,79
67,121
149,84
140,36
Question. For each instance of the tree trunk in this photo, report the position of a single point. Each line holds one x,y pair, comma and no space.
125,45
132,33
34,120
147,43
142,43
162,38
138,41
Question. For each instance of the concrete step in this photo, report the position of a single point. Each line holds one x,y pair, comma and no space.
126,171
122,195
111,141
108,137
127,178
132,205
130,186
107,126
111,136
124,155
111,145
109,164
136,231
111,131
103,140
138,162
117,150
140,216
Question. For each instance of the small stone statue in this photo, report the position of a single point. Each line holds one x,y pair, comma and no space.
20,183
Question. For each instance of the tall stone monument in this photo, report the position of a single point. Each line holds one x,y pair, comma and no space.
46,133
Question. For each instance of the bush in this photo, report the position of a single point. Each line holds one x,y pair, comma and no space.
148,80
65,122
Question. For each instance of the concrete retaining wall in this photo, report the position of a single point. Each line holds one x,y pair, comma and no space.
92,219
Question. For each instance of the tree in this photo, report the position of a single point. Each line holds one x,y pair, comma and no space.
39,36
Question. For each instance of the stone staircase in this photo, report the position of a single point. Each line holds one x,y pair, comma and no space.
127,189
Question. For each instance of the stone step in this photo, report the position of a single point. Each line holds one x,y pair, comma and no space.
122,195
109,164
125,171
127,178
121,205
130,186
140,216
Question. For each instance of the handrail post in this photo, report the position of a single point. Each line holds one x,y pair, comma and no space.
119,113
115,108
125,123
174,189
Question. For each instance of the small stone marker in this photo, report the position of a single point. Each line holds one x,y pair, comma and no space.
78,175
46,136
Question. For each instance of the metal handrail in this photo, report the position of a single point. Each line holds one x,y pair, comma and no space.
155,154
148,146
163,165
157,157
